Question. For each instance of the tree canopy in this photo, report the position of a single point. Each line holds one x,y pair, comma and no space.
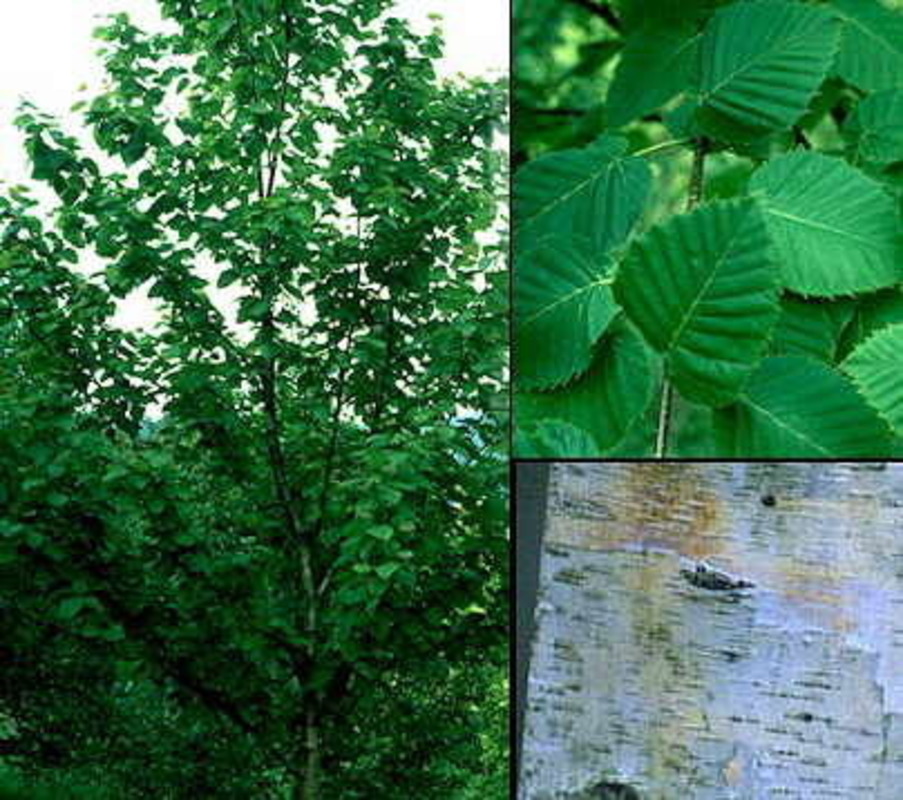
263,556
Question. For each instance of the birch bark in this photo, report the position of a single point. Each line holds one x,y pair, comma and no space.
791,689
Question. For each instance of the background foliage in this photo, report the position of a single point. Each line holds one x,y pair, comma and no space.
261,559
707,228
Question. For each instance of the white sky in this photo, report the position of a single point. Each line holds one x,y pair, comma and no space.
47,53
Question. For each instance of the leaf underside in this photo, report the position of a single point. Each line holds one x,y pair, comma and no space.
834,230
761,63
795,407
702,288
563,304
876,367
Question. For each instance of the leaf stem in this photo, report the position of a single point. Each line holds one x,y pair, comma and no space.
664,419
694,196
662,146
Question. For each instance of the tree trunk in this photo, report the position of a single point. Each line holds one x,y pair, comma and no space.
307,780
658,687
312,756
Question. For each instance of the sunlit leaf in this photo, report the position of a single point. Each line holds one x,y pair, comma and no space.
761,63
876,367
702,288
835,230
563,304
597,192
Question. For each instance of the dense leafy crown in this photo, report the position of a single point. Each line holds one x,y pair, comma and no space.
709,262
251,552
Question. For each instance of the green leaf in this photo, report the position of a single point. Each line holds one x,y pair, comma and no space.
702,288
605,401
761,63
555,439
876,367
381,532
871,47
875,128
252,309
228,277
563,304
46,160
835,230
386,571
805,329
873,312
656,64
639,12
795,407
72,606
597,192
136,146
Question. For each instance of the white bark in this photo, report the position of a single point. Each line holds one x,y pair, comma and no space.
792,689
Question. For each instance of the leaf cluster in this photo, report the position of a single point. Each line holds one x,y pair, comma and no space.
760,319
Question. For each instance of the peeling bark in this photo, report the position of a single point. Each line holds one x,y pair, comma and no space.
646,682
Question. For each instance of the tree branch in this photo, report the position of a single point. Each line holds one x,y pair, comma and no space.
139,627
694,196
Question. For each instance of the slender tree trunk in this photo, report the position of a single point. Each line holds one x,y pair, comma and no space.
311,756
649,684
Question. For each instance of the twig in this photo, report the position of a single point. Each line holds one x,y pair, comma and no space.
556,112
662,146
694,196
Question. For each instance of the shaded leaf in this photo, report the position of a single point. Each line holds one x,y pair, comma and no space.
871,47
876,128
806,329
554,439
873,312
656,64
605,401
795,407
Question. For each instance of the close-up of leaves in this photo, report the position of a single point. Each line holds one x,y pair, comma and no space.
707,240
258,549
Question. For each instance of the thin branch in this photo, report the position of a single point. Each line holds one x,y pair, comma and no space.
555,112
286,71
655,148
694,196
